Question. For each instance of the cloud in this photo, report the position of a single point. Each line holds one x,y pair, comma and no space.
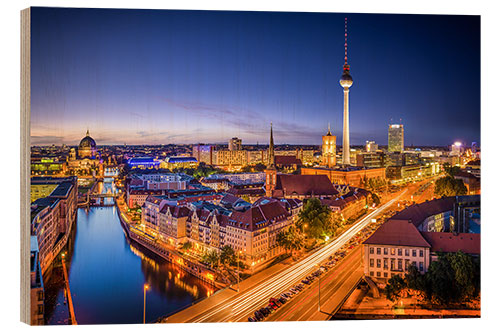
46,140
144,134
249,121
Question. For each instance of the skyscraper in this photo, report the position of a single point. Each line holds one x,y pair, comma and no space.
396,138
346,83
234,144
371,146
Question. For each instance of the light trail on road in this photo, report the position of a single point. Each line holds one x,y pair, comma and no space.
244,304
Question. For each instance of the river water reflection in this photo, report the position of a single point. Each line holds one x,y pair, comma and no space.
107,274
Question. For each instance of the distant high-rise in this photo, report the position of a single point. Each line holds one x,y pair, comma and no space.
329,149
346,83
234,144
371,146
396,138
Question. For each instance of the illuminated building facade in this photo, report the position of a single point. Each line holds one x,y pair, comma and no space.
37,293
352,176
396,138
329,149
52,217
371,146
204,154
234,144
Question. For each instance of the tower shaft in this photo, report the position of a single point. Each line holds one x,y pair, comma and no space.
346,160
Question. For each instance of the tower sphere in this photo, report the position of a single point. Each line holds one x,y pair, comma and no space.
346,80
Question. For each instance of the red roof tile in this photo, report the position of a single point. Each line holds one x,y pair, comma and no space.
449,242
397,232
418,213
287,160
306,185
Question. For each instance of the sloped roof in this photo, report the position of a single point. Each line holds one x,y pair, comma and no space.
246,191
260,216
229,199
305,185
287,160
418,213
397,232
449,242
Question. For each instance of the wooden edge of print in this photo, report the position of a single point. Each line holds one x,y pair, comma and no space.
25,313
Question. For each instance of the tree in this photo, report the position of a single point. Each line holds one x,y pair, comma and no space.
440,279
315,219
227,255
454,277
211,258
337,223
394,287
290,239
449,187
187,246
465,277
450,170
375,199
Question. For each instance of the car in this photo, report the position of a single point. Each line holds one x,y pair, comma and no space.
258,315
282,300
251,319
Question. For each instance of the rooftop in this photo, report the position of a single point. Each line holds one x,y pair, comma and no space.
399,233
449,242
419,212
305,185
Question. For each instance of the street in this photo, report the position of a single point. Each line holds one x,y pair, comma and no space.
230,306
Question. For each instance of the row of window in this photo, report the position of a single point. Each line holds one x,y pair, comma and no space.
396,265
399,251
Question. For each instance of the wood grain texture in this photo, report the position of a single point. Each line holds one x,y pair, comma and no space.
25,171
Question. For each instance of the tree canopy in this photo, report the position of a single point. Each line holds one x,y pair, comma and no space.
315,219
449,187
454,277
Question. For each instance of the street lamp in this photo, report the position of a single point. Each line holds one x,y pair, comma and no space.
146,287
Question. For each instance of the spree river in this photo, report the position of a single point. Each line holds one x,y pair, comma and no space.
107,273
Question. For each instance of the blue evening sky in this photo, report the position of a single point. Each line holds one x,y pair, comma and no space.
160,77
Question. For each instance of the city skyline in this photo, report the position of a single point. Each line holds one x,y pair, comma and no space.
163,77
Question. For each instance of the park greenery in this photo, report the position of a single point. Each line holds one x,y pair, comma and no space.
316,222
452,278
448,186
225,259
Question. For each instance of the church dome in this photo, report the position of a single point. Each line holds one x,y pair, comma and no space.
87,142
87,146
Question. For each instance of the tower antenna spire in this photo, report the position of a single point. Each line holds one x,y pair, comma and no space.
346,66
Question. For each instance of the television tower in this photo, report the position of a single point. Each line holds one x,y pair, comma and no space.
346,83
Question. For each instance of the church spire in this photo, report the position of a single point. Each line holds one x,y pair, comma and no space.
329,132
88,134
271,149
